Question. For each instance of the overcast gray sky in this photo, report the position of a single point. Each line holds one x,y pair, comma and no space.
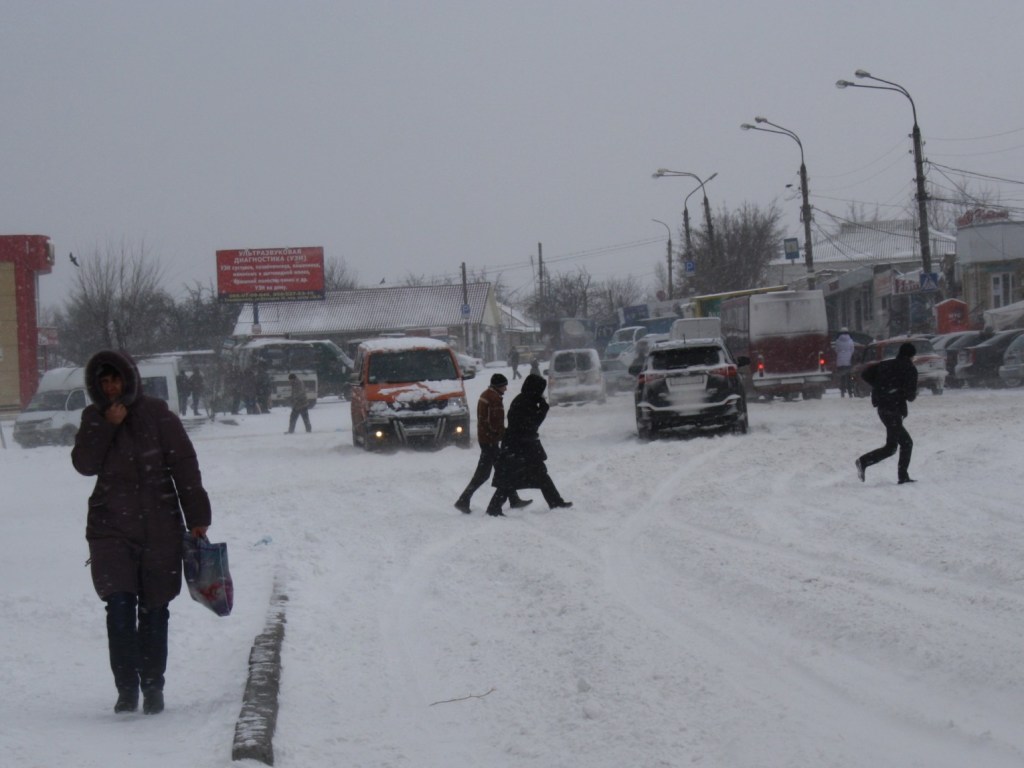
409,137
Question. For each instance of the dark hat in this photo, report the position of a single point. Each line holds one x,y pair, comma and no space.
907,350
498,380
106,369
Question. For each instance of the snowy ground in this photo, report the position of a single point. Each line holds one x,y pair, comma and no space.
732,601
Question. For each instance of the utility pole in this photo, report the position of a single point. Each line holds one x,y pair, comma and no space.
540,277
465,317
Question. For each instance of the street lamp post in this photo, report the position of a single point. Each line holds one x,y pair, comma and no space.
805,210
922,195
707,207
669,230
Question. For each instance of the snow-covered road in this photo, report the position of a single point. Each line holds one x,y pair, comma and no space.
728,601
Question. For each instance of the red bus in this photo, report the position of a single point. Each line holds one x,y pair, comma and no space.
785,335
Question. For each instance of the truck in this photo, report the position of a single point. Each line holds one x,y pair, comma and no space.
785,336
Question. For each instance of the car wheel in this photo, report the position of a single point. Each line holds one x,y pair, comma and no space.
67,436
1013,383
936,390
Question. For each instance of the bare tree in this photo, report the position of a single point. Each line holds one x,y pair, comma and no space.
116,303
337,275
745,242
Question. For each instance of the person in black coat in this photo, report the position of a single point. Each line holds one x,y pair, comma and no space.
893,385
521,460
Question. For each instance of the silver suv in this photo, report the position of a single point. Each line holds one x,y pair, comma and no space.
692,385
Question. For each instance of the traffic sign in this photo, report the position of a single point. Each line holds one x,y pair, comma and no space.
929,282
466,310
792,247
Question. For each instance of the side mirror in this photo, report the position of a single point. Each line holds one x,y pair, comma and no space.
634,370
742,360
545,371
469,375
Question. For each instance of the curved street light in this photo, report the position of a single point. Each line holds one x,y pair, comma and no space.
707,207
805,211
922,195
669,230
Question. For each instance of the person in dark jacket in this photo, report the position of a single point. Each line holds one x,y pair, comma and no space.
147,475
300,404
521,460
490,428
197,384
893,384
513,363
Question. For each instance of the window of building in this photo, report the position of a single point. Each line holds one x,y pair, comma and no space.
1002,289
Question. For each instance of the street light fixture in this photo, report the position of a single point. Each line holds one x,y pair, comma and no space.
805,211
669,230
922,195
707,207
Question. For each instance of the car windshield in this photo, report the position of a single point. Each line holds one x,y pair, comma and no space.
411,365
684,357
48,401
572,361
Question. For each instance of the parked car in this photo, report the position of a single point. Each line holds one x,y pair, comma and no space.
978,365
574,375
931,367
1012,370
951,349
689,385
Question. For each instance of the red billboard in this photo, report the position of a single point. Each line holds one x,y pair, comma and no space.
270,274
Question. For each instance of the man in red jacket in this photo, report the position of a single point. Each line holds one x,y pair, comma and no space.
147,475
490,428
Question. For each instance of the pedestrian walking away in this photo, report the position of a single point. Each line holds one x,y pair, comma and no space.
521,459
300,404
513,363
147,477
844,359
490,428
893,384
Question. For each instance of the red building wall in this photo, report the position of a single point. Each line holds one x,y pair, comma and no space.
28,255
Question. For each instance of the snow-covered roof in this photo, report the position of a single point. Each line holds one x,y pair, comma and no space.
400,343
371,310
884,241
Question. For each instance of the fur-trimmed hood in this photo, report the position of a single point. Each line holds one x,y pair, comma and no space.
121,363
534,385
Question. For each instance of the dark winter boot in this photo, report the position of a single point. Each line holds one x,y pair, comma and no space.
152,651
123,645
152,702
127,701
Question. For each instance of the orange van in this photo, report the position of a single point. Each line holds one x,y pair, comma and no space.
408,391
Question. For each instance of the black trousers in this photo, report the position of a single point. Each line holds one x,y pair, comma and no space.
488,457
296,412
896,436
137,639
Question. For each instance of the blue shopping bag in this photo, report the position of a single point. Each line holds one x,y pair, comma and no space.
206,572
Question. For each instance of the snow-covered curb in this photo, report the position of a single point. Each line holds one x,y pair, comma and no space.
254,731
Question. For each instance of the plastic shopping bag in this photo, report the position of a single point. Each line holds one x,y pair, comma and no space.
206,572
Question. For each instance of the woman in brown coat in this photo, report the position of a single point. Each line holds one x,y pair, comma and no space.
146,474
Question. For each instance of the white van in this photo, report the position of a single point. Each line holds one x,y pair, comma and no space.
55,411
575,375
